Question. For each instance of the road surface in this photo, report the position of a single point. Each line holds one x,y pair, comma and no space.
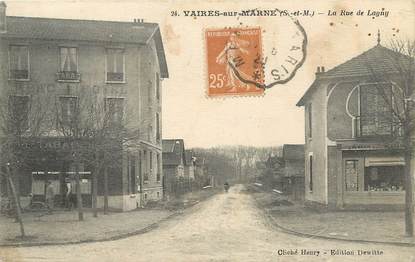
227,227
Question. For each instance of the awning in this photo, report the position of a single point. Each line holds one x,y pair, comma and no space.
384,161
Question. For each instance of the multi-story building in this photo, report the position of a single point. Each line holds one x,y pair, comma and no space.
63,63
354,157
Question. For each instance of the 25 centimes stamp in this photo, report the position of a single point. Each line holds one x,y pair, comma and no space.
231,55
244,60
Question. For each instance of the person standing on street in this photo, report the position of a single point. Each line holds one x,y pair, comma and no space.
68,195
50,195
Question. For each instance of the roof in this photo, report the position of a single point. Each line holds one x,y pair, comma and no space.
172,145
173,151
88,30
376,61
293,152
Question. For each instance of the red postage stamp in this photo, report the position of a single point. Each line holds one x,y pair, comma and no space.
234,61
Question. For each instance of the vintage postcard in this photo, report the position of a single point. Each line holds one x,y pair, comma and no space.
215,130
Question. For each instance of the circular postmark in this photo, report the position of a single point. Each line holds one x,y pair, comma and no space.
245,59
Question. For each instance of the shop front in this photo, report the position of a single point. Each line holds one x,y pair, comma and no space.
372,178
49,160
60,181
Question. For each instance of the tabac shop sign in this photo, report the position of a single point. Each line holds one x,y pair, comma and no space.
49,145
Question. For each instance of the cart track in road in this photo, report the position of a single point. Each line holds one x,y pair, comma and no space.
226,227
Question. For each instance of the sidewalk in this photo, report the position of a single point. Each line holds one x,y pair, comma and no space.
363,226
63,227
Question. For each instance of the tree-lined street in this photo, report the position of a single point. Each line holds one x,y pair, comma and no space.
227,227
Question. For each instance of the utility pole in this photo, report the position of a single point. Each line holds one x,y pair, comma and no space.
409,207
78,188
105,190
15,200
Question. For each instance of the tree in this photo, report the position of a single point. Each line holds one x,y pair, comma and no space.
20,120
396,86
99,131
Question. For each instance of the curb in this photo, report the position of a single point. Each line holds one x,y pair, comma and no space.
112,238
308,235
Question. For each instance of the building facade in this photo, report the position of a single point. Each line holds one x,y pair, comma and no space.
70,65
353,150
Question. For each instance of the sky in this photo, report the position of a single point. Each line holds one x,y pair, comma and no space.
269,120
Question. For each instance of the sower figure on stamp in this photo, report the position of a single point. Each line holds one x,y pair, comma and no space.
50,195
231,55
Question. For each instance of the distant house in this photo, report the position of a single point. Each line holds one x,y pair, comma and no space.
285,171
173,157
293,162
189,166
173,163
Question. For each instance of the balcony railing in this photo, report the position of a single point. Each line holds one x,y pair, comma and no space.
19,74
115,77
71,76
363,131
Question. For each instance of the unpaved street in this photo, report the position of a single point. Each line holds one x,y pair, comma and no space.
227,227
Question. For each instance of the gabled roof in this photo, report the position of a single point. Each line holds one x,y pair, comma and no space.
87,30
293,152
378,60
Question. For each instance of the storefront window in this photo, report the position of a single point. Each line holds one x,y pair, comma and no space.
384,178
352,178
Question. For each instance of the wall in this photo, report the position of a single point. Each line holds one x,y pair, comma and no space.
316,145
120,203
189,172
150,106
333,175
294,168
339,122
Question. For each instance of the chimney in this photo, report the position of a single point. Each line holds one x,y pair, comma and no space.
320,70
3,7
